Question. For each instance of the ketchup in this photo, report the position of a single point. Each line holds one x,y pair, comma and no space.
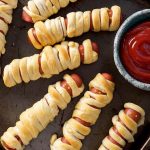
135,52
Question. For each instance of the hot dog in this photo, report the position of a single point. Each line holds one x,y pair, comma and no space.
133,114
69,56
110,13
83,122
81,50
26,17
41,9
6,9
96,91
125,126
53,102
75,24
76,78
114,142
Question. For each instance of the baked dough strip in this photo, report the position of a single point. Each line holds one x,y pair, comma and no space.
85,114
38,10
51,61
125,127
6,10
75,24
35,119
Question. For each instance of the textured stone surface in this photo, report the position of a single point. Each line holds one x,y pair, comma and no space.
16,100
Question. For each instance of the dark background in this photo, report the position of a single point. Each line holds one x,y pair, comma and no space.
15,100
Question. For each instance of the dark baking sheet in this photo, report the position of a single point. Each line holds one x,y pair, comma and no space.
15,100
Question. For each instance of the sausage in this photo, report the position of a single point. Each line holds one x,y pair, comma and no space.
95,47
19,139
40,68
87,124
3,2
66,22
2,31
94,107
63,139
107,76
81,50
35,36
91,23
96,91
76,78
116,131
124,125
1,18
136,116
65,85
110,13
6,146
114,142
132,114
26,17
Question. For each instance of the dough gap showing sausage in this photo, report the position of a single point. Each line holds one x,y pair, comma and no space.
38,10
51,61
125,127
6,9
75,24
35,119
86,113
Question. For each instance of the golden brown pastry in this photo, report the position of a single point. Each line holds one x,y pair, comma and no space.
76,23
37,10
125,127
6,9
85,114
51,61
35,119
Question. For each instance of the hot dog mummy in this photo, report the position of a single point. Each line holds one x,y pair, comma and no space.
37,10
55,30
6,8
52,61
85,114
125,126
35,119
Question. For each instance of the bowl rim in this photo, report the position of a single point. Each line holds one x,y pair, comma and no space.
117,60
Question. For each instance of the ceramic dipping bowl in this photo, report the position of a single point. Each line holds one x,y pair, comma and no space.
133,20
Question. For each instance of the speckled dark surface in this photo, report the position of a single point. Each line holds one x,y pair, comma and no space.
16,100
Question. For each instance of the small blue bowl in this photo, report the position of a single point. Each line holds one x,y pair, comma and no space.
130,22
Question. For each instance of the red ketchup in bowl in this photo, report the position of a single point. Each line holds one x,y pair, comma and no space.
135,52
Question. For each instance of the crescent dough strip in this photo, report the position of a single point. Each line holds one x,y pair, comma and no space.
124,127
75,24
6,9
96,20
51,61
34,119
40,10
87,109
